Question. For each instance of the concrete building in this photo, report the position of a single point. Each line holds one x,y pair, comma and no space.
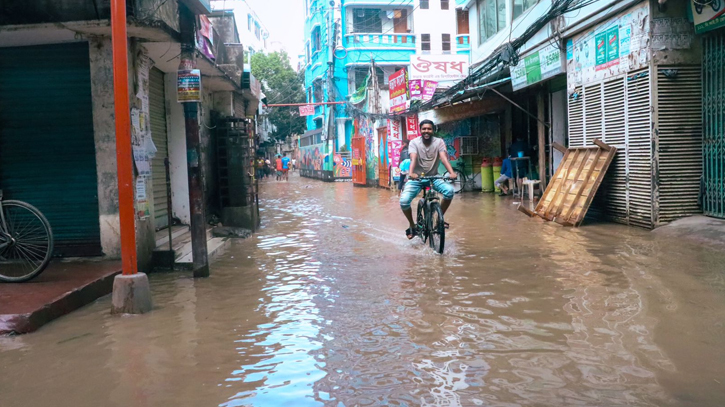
57,125
618,71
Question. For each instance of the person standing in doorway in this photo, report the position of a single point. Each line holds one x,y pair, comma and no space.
285,166
278,166
294,164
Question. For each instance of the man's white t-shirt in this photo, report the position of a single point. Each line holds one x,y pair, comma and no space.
428,156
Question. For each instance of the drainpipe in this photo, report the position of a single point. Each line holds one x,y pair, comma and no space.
131,293
193,151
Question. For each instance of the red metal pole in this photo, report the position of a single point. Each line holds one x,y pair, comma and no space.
123,136
304,104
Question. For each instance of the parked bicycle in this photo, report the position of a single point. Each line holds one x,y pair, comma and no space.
430,222
26,241
463,181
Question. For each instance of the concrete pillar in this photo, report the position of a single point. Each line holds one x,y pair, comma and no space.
131,294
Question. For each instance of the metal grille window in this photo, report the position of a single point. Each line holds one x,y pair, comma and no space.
444,4
317,90
424,4
316,39
469,145
446,43
366,20
425,42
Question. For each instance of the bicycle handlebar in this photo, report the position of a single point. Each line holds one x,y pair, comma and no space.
433,177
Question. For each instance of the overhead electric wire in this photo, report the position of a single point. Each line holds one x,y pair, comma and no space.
505,55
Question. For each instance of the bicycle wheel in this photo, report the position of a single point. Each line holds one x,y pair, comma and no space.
29,242
437,228
458,183
421,221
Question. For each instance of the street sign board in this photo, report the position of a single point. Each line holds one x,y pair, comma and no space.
307,110
398,84
439,67
537,66
707,17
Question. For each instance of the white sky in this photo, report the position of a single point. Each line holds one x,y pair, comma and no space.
285,21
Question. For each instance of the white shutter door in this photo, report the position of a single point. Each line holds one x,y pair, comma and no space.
157,111
593,123
639,149
614,186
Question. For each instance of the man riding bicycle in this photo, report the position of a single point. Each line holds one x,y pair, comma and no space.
426,153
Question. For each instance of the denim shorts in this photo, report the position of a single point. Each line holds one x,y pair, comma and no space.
413,187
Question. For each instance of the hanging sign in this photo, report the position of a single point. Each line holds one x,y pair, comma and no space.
188,87
439,67
707,17
533,68
411,127
307,110
398,83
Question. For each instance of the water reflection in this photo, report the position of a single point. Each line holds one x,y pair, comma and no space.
330,305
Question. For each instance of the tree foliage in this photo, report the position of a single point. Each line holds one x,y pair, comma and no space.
281,84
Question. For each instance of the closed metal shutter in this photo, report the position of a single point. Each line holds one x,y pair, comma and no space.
618,112
47,147
713,143
157,110
615,134
639,149
679,141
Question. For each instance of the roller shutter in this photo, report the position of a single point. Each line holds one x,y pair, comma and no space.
47,147
157,111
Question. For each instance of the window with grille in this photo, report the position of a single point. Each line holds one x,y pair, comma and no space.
366,20
446,43
317,90
316,39
444,4
424,4
469,145
425,42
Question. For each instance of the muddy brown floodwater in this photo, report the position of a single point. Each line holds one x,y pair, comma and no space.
330,305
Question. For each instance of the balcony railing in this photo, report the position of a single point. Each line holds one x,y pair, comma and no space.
375,40
462,42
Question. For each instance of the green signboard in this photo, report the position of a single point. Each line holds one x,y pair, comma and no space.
607,47
707,16
536,67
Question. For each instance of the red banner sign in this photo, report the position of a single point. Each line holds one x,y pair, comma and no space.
307,110
398,84
411,126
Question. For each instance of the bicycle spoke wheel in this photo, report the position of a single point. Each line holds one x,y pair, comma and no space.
420,221
30,242
437,228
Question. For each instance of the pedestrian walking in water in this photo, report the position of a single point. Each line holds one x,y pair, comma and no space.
278,164
285,166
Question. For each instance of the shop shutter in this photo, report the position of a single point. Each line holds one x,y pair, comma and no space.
639,149
713,143
576,118
47,147
593,123
679,134
614,187
157,110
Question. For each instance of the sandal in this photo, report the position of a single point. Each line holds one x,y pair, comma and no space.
446,225
411,233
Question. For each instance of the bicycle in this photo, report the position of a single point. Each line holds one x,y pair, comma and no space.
26,241
430,225
462,181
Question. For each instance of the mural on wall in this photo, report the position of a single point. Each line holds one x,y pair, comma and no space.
342,167
451,133
312,157
366,128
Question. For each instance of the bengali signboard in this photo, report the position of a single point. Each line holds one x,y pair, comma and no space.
612,48
307,110
411,127
188,87
398,83
439,68
537,66
707,17
422,90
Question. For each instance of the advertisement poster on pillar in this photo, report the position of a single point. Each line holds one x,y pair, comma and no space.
398,83
439,68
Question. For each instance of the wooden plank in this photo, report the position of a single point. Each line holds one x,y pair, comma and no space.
567,198
559,148
593,165
526,210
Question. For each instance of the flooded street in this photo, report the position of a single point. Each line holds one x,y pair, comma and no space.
330,305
